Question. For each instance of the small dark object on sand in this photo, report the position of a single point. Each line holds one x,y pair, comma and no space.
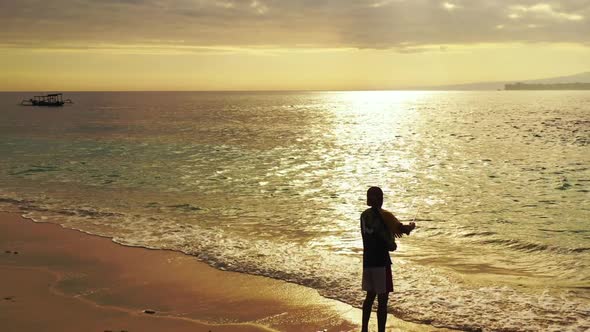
16,252
151,312
8,252
8,298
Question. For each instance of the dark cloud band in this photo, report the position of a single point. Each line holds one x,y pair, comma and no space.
405,25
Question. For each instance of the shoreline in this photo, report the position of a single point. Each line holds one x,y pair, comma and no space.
67,280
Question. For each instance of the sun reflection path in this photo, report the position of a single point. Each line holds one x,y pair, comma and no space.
374,117
372,131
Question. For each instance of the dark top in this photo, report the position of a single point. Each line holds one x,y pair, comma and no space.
375,233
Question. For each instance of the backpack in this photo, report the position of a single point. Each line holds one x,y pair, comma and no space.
379,230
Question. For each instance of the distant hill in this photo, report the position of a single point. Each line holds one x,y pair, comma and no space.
577,78
547,86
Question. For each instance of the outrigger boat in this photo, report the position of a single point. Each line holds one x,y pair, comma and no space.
54,99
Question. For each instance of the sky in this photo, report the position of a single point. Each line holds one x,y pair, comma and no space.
89,45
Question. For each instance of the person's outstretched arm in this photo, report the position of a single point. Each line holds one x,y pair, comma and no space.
396,227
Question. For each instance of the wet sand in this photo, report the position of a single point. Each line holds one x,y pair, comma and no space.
56,279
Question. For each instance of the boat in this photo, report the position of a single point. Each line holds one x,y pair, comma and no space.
54,99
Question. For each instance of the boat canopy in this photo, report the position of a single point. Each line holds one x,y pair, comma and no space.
52,99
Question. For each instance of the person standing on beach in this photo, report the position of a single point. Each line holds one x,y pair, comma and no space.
378,229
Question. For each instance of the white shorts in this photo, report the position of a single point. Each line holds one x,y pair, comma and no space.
378,279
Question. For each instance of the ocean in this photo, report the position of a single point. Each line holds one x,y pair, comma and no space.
273,184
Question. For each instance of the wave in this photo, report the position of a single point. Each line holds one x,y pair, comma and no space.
534,247
29,205
443,301
477,234
35,169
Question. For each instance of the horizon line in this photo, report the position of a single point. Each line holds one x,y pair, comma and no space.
261,90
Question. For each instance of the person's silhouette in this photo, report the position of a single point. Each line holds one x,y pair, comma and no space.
378,229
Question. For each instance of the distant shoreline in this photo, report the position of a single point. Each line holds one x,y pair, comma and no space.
558,86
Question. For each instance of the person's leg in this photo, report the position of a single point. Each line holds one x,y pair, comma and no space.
382,311
367,307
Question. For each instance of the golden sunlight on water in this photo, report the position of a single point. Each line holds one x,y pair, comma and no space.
369,128
273,184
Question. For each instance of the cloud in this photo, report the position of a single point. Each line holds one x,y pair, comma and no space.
449,6
186,24
259,7
543,10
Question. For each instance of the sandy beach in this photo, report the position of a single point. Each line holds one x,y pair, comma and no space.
56,279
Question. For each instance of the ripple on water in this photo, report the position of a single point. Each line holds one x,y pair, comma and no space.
484,175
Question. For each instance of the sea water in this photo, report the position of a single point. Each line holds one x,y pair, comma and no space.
273,183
